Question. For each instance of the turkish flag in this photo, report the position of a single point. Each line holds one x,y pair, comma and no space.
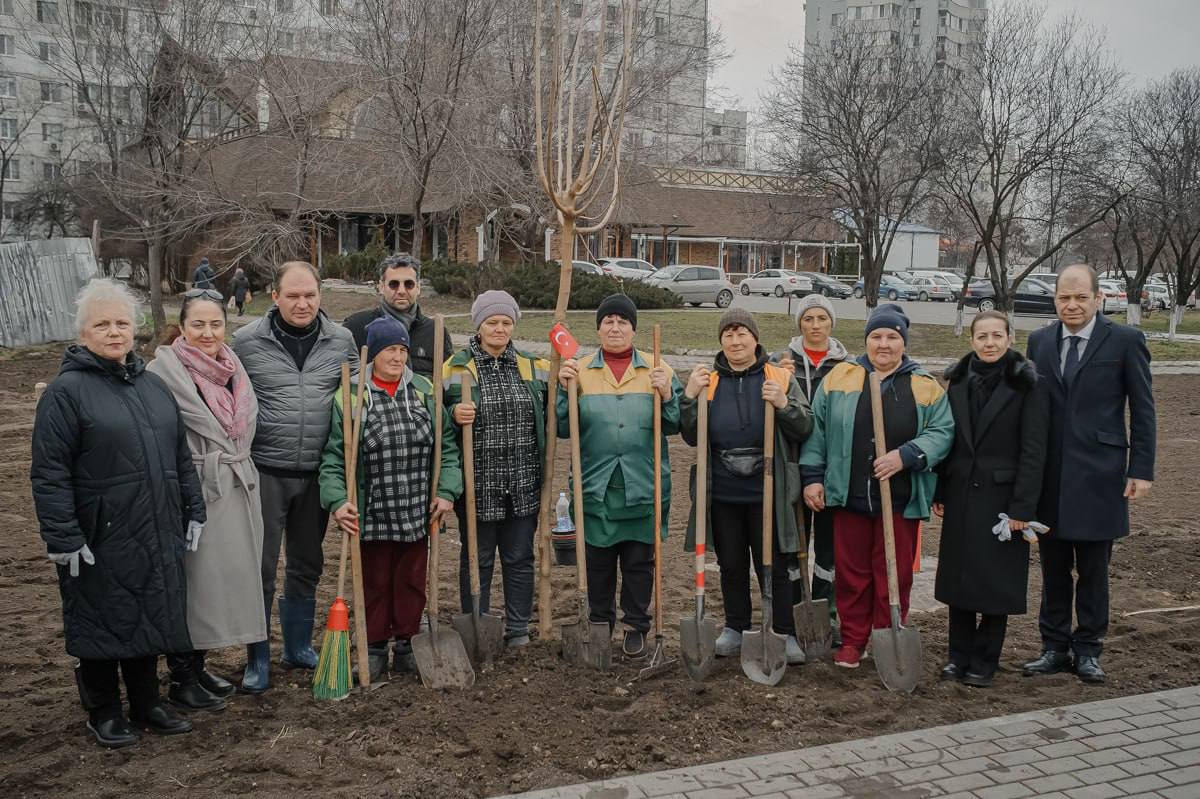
562,341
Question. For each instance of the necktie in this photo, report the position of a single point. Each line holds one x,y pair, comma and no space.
1072,365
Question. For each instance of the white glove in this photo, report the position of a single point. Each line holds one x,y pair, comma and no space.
193,535
71,559
1032,530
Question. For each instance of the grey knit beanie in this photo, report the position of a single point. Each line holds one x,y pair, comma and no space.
493,303
738,317
816,301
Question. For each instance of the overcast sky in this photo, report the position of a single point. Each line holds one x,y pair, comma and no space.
1150,37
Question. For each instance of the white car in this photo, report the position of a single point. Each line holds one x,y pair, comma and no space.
626,268
932,288
1114,296
780,282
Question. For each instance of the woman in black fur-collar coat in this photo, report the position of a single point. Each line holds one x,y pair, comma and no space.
1001,420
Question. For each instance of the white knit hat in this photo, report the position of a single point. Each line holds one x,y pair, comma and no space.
816,301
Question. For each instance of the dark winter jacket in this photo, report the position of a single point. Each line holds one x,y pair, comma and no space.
240,287
112,470
420,332
995,466
204,276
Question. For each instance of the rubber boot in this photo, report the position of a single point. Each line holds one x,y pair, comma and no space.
186,692
377,660
257,677
296,621
217,686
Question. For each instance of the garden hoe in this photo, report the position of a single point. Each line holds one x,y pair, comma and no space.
441,657
482,633
764,653
897,650
584,641
698,635
813,629
658,660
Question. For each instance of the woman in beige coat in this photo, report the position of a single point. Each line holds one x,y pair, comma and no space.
219,409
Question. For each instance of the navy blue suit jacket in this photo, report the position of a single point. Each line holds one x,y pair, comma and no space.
1090,455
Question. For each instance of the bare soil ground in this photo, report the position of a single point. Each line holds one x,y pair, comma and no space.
532,721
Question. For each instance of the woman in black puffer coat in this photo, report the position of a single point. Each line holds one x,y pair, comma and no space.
117,499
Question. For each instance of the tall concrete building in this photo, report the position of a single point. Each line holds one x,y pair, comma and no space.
949,26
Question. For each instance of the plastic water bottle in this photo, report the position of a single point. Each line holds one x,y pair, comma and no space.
563,510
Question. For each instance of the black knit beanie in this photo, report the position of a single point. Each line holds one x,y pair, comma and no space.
617,304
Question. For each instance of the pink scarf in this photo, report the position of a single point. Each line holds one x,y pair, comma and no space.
212,376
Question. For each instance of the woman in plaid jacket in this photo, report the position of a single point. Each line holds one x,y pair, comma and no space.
507,408
395,464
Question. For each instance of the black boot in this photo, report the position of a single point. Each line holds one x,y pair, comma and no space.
112,732
377,660
186,691
161,720
212,683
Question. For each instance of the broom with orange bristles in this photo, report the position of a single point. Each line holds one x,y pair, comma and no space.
333,676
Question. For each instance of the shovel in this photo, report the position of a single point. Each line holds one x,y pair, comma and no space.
813,630
482,634
441,657
584,641
658,660
698,635
764,655
897,650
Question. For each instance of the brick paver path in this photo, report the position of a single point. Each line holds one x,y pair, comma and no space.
1143,746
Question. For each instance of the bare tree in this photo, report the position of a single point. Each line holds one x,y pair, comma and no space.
19,108
861,121
1028,113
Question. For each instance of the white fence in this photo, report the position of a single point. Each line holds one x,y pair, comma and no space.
38,283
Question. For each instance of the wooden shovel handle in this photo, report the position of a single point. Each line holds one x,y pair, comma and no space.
360,604
701,485
768,511
439,357
468,439
885,491
657,426
577,483
348,469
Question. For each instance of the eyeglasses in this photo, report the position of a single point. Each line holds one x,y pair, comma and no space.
395,285
208,294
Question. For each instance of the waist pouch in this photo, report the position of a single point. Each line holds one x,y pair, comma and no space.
742,461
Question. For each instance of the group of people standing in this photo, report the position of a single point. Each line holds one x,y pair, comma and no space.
166,492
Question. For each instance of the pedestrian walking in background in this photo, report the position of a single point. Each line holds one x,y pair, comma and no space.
616,430
840,471
203,276
507,406
1001,419
294,356
240,287
1094,369
392,518
220,413
117,502
738,386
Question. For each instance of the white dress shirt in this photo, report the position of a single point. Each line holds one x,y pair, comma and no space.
1065,343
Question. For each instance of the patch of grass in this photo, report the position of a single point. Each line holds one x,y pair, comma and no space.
697,330
1160,322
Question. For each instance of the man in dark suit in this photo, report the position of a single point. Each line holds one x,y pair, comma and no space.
1094,368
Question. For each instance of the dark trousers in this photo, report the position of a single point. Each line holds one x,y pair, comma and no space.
737,538
394,587
637,583
976,647
241,306
1088,589
513,536
100,691
819,527
292,516
862,592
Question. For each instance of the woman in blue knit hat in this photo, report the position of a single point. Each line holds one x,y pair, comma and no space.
393,514
840,471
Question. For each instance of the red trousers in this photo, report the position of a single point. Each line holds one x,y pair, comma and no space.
860,569
394,587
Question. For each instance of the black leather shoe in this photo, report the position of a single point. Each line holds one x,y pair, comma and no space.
977,680
634,645
1087,669
113,733
162,720
194,696
952,671
1050,662
215,685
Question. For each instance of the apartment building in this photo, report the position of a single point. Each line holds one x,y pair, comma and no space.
949,26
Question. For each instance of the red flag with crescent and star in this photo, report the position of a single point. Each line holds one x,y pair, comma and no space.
562,341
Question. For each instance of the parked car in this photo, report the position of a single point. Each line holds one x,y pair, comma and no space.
1114,296
1156,297
828,286
586,268
694,284
779,282
933,288
890,288
950,279
626,268
1032,297
1049,278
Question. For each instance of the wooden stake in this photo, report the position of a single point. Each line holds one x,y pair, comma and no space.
360,605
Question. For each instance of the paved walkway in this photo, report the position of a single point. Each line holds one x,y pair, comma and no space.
1144,746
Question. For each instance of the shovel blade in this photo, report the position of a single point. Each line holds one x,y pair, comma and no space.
442,663
813,628
587,643
764,656
482,635
697,646
896,651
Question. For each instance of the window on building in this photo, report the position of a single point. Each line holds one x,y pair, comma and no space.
577,9
12,169
8,87
327,8
916,12
51,92
916,40
6,7
943,18
47,51
7,45
52,131
47,12
246,3
658,113
716,130
8,129
9,209
287,40
51,171
660,26
835,20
